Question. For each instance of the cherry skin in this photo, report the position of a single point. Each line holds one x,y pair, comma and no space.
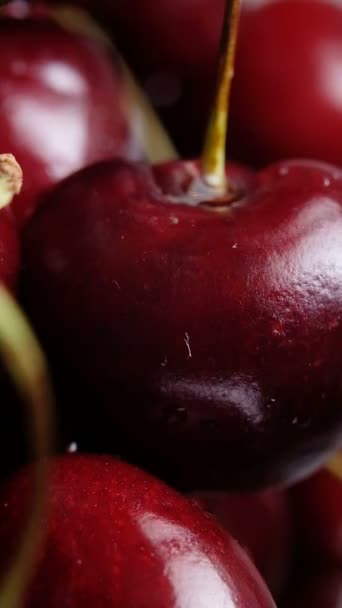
62,105
211,333
318,504
262,523
286,95
117,537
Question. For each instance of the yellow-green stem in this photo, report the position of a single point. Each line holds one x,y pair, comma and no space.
213,162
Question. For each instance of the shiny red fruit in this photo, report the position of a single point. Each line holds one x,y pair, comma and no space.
62,105
262,523
211,333
117,537
318,503
322,591
287,96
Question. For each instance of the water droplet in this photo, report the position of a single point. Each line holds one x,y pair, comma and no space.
326,182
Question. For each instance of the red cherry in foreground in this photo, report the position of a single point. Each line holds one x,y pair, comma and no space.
262,523
322,591
62,104
204,310
287,97
116,537
318,503
213,334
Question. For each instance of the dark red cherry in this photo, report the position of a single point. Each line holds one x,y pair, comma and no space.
62,105
262,523
210,330
116,537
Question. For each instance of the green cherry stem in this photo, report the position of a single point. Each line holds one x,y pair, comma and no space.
213,161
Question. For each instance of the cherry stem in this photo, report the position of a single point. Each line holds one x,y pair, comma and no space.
27,367
213,162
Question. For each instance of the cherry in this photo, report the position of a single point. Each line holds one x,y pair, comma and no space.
208,332
62,104
262,523
286,98
318,503
318,591
205,310
117,537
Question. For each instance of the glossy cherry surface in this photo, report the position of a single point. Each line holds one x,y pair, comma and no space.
262,523
318,503
287,98
62,105
118,537
211,334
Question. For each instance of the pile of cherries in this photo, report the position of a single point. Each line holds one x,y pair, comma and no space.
190,310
